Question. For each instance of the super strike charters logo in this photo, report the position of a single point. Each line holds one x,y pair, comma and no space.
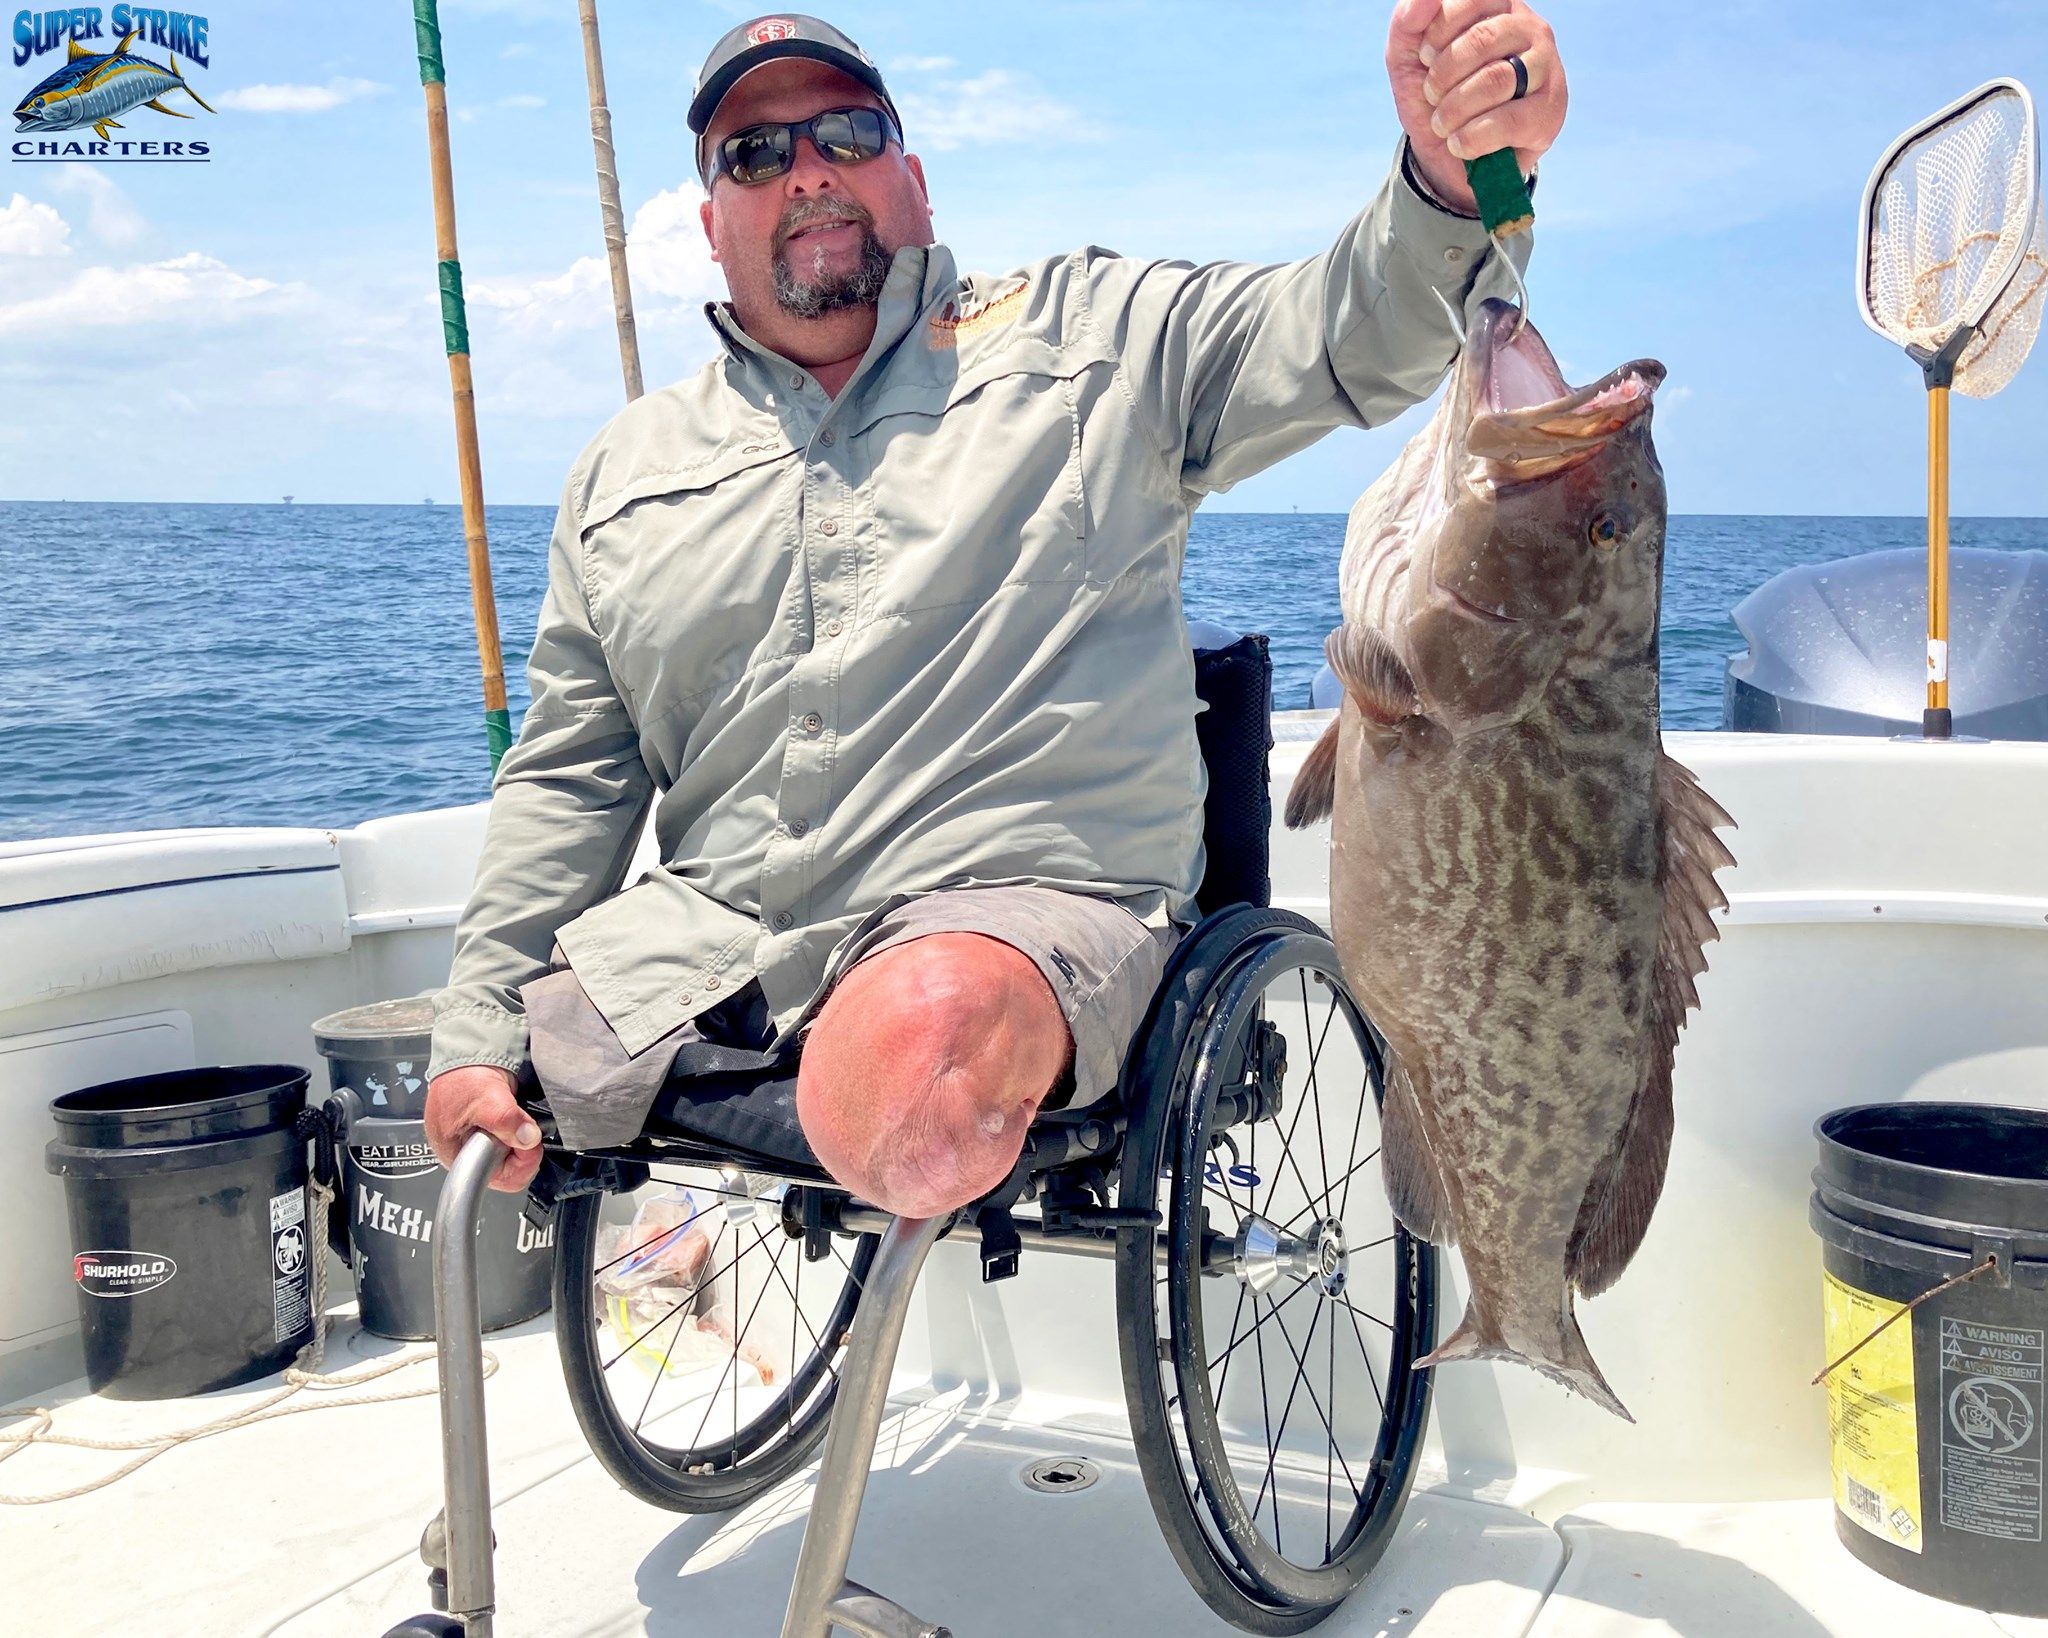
106,74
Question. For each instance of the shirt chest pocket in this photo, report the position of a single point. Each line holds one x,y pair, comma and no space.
977,485
691,578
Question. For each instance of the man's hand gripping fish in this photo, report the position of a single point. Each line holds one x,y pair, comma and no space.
1520,880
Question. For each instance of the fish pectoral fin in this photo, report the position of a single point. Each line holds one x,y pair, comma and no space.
1615,1214
1372,673
157,104
127,40
1314,792
1414,1180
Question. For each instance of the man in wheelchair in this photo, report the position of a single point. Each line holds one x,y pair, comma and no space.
880,612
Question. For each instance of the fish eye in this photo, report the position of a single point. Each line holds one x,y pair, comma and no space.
1604,531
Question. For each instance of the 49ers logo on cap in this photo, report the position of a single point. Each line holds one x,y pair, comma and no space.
771,29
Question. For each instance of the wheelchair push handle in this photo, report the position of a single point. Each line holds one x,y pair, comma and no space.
458,1328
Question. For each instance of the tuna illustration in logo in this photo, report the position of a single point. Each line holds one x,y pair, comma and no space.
92,87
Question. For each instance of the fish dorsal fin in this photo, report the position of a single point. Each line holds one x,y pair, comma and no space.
1372,673
1314,792
1616,1212
1415,1184
74,51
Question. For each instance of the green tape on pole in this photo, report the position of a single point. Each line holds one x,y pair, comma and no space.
454,315
426,26
498,729
1502,195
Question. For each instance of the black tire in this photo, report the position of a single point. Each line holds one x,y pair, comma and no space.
758,1445
1200,1041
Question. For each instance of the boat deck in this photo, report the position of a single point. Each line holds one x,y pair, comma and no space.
308,1525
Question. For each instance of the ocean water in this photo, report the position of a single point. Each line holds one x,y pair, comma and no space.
315,665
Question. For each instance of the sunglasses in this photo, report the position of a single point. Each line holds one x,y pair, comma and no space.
845,136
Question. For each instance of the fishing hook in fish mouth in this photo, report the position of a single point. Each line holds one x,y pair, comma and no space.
1451,313
1521,289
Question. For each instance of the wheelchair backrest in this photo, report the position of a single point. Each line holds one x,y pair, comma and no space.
1235,682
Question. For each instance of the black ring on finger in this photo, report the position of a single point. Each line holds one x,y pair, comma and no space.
1521,79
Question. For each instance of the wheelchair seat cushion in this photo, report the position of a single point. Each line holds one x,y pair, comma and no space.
735,1100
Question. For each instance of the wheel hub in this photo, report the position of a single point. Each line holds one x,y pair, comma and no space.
1264,1253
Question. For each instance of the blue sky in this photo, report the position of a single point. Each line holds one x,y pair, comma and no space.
266,323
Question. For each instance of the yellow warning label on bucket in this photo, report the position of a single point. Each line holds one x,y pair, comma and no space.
1872,1430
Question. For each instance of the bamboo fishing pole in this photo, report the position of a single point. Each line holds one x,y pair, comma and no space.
455,335
608,202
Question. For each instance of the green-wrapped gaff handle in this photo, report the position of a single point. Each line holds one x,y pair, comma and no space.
1504,203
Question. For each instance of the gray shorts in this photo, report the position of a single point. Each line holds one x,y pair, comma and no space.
1102,963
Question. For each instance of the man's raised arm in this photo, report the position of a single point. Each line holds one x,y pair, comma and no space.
565,812
1236,366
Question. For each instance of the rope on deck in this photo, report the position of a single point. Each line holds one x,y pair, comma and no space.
303,1374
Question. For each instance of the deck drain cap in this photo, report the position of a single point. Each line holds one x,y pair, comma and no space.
1061,1475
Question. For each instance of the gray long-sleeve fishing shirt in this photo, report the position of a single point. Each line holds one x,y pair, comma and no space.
924,634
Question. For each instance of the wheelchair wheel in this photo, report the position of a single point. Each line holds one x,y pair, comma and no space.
709,1383
1269,1330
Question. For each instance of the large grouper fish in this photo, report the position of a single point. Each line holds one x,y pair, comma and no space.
1520,880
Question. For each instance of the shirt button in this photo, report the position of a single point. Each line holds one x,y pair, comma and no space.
825,438
829,527
812,722
1454,254
683,997
797,382
783,918
798,826
712,982
833,628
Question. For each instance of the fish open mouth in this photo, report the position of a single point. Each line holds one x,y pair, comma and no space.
1525,418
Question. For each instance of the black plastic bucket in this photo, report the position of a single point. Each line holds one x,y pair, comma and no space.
187,1198
1937,1424
391,1183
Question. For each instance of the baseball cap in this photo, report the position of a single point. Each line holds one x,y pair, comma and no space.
763,40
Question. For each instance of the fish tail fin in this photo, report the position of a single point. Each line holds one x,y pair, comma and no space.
1565,1358
196,97
157,104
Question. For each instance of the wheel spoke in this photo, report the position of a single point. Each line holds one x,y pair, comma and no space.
1362,1314
1365,1353
1346,1178
634,1342
1273,1445
1314,1091
732,1359
1235,1318
1301,1363
1238,1341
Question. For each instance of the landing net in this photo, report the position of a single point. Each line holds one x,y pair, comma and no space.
1955,237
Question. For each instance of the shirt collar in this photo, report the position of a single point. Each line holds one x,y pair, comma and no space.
920,276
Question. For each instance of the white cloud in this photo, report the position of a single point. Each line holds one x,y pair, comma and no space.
299,99
923,65
666,255
997,105
518,100
30,228
195,289
110,218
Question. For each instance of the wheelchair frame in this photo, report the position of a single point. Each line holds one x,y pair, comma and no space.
1070,1163
822,1597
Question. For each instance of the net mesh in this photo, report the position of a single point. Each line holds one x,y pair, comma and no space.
1947,223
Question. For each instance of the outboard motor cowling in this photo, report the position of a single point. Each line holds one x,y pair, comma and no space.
1841,647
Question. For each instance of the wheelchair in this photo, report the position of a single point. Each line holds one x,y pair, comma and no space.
1269,1307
